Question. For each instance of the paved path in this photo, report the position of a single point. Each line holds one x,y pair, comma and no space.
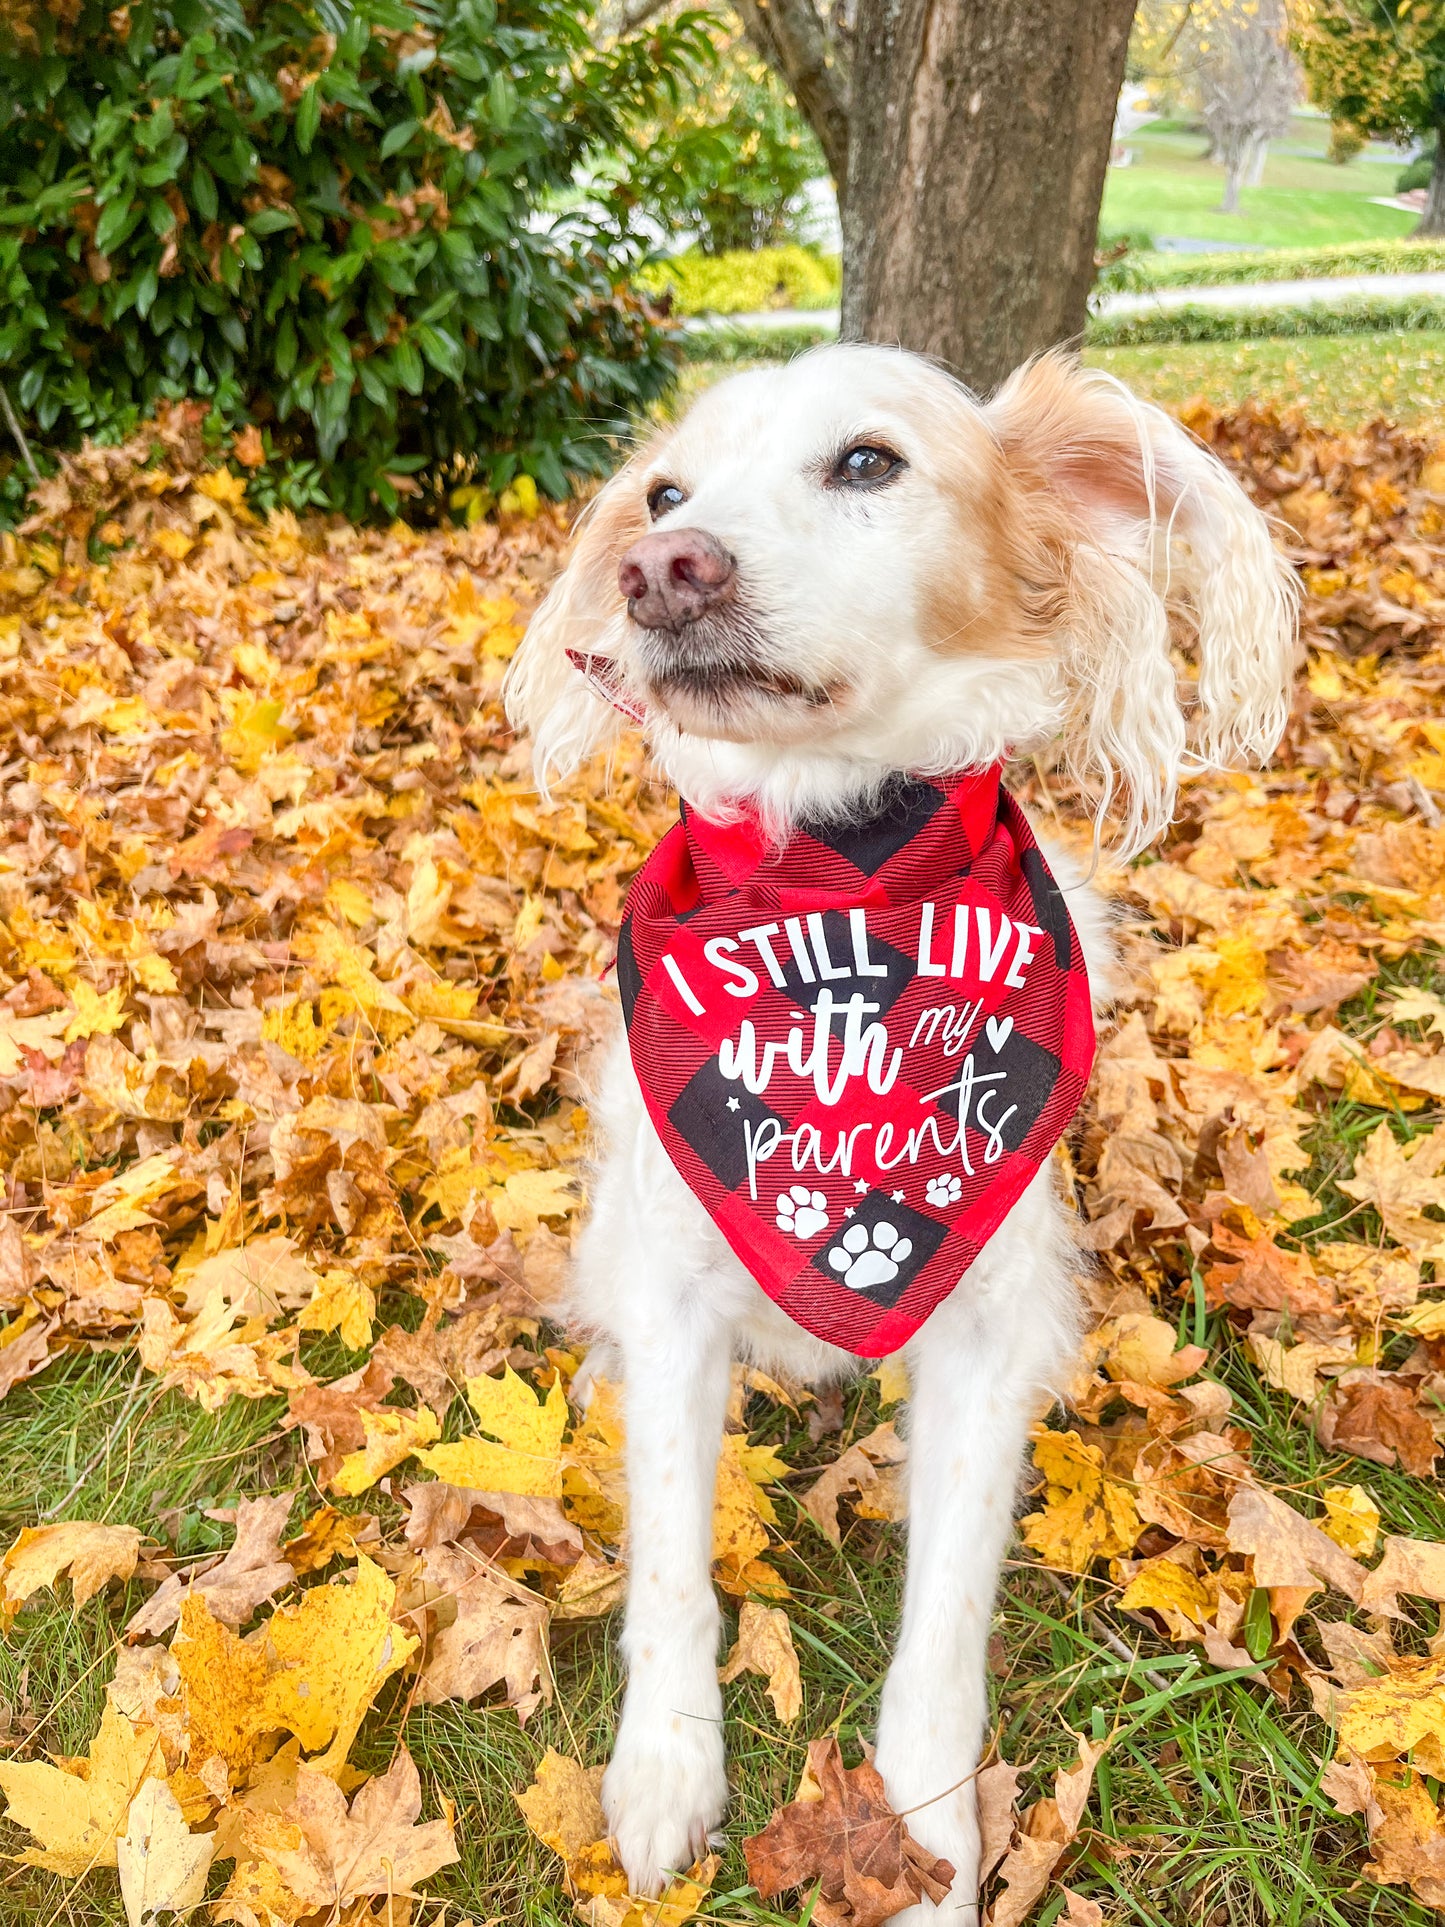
1242,294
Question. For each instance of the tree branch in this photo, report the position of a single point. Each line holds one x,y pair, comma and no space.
796,39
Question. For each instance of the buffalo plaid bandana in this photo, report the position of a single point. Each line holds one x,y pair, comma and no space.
859,1048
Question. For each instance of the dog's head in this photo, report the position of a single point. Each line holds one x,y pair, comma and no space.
846,567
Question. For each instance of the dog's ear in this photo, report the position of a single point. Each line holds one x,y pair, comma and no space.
545,694
1150,541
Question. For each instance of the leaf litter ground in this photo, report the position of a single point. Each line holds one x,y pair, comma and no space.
311,1561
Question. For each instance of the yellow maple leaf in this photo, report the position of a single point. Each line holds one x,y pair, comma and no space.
527,1458
77,1812
312,1670
1352,1519
341,1303
92,1554
94,1012
1180,1597
392,1434
1085,1515
1398,1716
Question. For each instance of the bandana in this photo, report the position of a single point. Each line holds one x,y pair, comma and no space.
859,1048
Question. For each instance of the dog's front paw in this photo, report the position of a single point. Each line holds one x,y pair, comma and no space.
664,1793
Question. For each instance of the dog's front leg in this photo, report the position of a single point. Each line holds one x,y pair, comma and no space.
976,1370
666,1788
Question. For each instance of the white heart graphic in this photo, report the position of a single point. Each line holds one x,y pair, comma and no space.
999,1030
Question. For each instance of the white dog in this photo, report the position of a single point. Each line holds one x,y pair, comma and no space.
826,575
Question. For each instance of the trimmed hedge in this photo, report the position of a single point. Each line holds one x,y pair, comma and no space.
1354,316
1350,317
328,217
1289,264
746,281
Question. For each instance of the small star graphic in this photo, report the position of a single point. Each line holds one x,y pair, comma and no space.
861,1186
849,1211
897,1196
733,1104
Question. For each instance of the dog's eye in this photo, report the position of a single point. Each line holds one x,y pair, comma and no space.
865,465
663,496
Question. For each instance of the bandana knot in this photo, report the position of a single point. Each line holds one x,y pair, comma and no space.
858,1048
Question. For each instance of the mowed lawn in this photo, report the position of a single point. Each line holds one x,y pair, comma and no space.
1339,381
1305,200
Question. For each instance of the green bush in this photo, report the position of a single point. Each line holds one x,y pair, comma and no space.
743,282
1291,264
329,217
1419,170
1356,315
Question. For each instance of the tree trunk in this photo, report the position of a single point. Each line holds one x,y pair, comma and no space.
1432,221
979,136
1258,160
1236,158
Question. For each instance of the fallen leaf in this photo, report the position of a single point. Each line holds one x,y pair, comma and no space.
867,1469
867,1864
234,1586
378,1845
1085,1516
163,1865
78,1812
1415,1566
765,1645
527,1457
1376,1417
489,1631
1352,1520
1287,1549
92,1554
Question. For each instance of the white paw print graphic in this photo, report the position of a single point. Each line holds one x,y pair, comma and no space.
869,1259
944,1190
801,1211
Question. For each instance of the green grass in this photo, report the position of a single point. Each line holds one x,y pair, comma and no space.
1339,381
1206,1813
1305,201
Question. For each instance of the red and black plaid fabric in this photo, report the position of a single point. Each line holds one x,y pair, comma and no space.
858,1049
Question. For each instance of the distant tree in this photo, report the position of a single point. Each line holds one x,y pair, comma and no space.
1381,65
1248,83
1230,62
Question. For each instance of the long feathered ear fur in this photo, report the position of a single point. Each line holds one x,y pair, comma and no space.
1156,543
545,694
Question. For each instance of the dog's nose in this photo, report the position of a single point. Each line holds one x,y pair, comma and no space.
673,576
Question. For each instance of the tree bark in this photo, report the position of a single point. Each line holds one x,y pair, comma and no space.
1432,221
979,136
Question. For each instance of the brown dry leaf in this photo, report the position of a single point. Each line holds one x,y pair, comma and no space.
1289,1550
92,1554
1415,1566
1375,1415
327,1854
235,1585
765,1646
869,1470
851,1842
489,1631
1044,1831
